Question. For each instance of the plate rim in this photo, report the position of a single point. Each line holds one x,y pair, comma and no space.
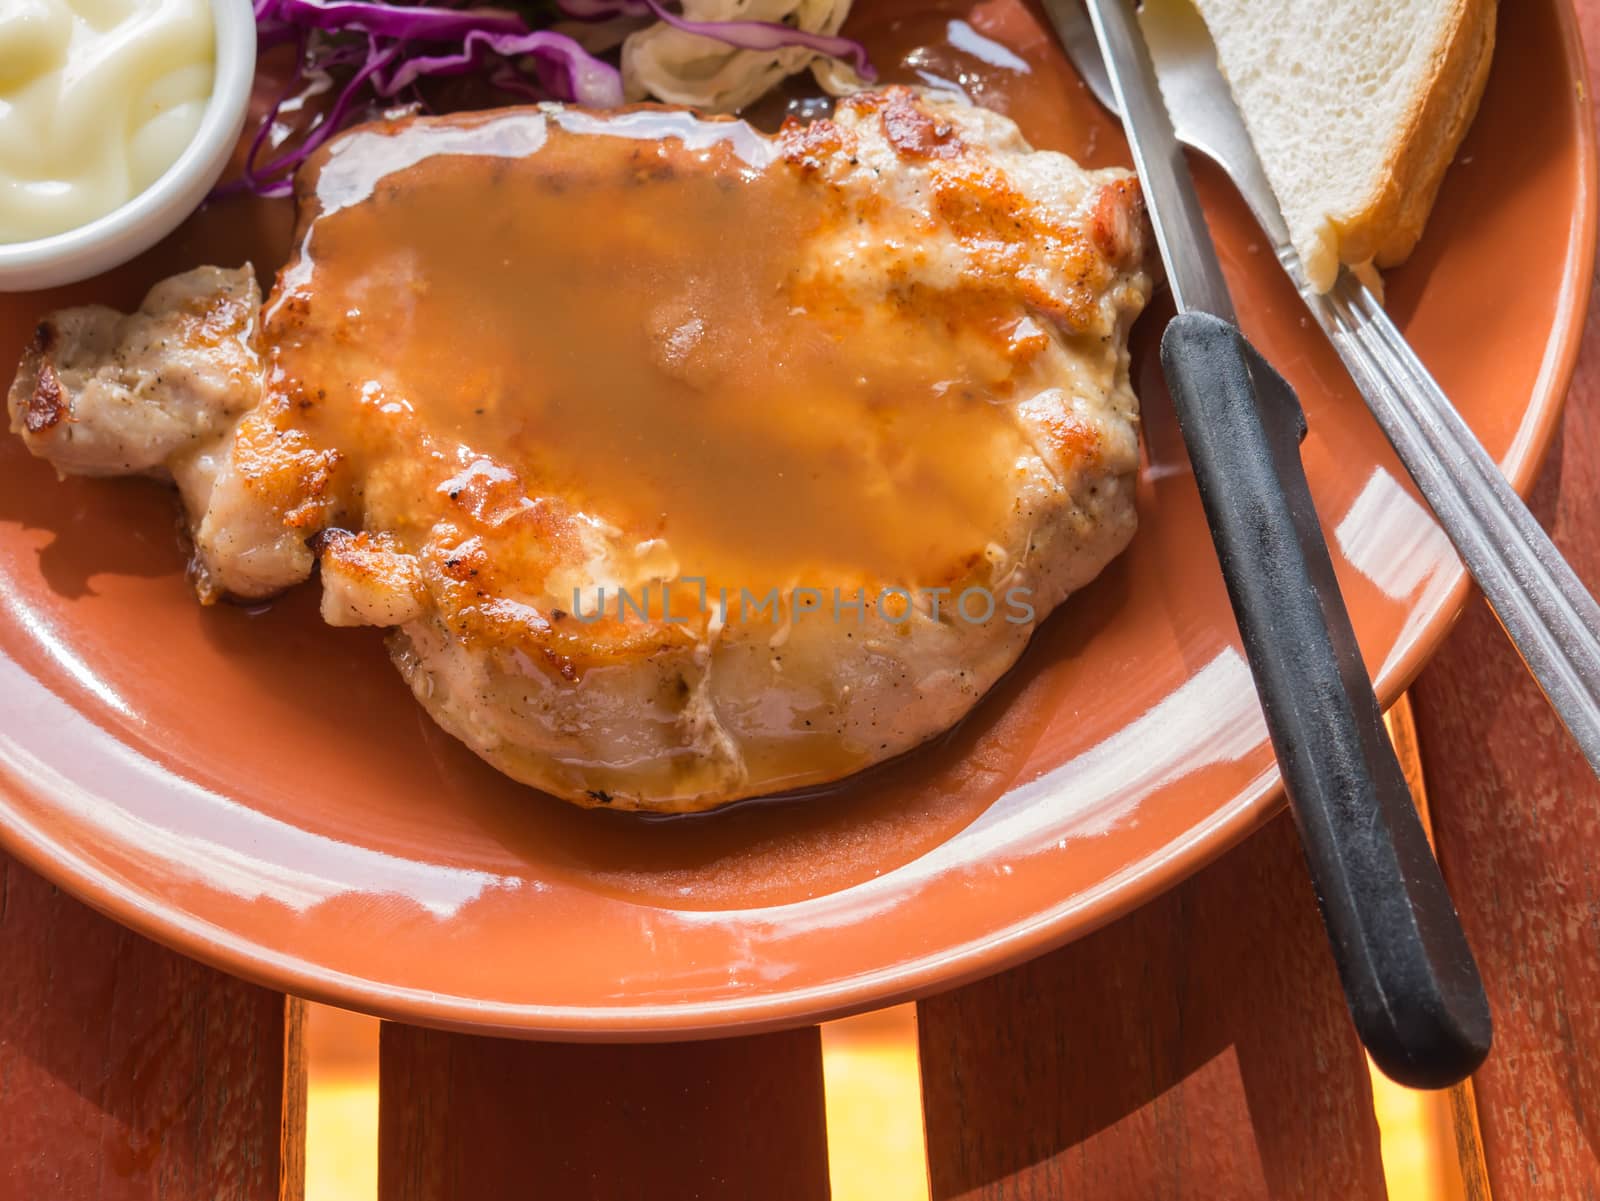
1039,933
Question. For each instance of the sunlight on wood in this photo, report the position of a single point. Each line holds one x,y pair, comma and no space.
1408,1124
874,1097
341,1106
1421,1161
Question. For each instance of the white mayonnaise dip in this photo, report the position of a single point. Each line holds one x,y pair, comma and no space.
97,99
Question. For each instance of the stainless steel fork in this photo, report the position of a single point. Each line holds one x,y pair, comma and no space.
1548,613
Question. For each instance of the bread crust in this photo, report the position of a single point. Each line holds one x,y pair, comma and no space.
1388,227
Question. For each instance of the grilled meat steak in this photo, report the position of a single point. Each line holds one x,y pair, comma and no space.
685,463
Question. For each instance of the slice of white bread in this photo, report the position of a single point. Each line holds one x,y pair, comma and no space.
1356,108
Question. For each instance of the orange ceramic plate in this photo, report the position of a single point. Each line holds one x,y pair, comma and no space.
261,791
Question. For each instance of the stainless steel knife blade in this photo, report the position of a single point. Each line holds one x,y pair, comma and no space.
1187,251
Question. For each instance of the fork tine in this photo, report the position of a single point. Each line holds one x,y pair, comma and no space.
1077,36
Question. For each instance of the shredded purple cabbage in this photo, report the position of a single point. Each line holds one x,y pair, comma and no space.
373,54
745,35
767,35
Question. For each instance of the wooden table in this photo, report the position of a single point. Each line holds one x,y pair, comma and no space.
1197,1048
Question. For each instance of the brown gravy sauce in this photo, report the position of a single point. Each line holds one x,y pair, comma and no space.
622,318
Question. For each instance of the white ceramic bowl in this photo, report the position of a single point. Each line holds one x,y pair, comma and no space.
155,212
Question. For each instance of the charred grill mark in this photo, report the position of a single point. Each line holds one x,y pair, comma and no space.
46,405
1076,441
916,133
811,146
1117,222
563,665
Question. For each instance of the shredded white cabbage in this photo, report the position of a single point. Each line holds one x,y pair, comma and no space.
678,67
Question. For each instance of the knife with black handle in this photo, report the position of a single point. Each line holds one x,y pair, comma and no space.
1409,976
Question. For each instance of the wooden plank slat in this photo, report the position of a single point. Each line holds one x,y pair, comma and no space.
481,1118
128,1071
1517,822
1198,1047
296,1089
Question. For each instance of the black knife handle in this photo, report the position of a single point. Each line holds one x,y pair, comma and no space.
1408,973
